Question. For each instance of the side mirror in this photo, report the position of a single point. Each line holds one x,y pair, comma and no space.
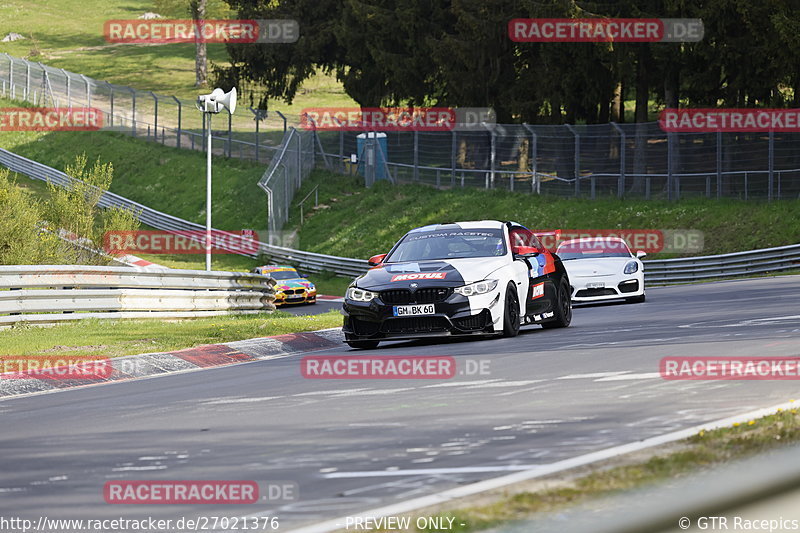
376,260
525,250
641,254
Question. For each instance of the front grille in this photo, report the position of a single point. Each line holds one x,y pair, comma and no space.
431,296
629,286
362,327
474,322
396,297
595,292
415,324
293,291
421,296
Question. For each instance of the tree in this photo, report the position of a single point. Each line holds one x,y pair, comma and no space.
29,227
199,10
279,70
457,53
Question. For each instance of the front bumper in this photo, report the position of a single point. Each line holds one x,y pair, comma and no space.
298,297
585,290
454,315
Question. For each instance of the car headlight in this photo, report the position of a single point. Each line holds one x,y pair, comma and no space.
480,287
631,267
360,295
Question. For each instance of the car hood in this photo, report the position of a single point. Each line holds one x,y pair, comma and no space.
591,268
293,284
437,273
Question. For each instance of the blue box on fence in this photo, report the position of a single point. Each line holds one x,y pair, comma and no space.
372,155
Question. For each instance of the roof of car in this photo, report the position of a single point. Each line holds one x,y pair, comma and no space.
276,268
594,239
471,224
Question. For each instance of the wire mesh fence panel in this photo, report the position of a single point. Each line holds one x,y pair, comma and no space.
292,164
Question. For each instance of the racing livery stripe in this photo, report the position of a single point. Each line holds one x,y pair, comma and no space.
549,264
419,275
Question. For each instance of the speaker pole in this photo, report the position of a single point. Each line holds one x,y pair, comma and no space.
210,104
208,196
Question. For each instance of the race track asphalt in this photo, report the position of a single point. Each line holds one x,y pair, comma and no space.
352,445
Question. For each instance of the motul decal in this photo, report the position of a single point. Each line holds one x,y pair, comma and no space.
538,291
419,275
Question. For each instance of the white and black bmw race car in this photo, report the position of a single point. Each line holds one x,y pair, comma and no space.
465,278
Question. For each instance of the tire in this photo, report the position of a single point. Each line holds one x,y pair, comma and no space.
363,345
636,299
511,314
563,311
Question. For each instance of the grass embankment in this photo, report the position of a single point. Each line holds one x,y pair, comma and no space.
125,337
357,222
164,178
705,450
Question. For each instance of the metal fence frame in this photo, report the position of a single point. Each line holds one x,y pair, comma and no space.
589,161
292,164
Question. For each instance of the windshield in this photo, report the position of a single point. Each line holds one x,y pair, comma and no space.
592,249
449,244
283,274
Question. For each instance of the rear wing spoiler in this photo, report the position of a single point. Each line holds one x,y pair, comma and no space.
550,239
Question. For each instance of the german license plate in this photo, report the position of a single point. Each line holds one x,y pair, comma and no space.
414,310
598,285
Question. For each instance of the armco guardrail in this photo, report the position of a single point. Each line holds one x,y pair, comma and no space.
57,293
657,272
668,271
